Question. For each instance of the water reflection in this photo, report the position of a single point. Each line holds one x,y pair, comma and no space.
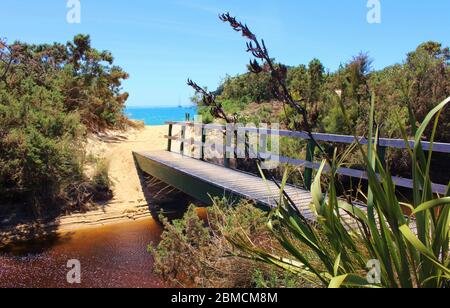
111,256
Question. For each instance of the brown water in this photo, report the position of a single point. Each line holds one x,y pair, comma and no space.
111,256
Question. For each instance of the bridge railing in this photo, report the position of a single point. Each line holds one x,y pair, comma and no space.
308,163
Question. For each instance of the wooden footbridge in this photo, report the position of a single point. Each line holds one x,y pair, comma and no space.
188,170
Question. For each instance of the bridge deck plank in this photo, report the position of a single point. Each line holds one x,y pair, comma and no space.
235,182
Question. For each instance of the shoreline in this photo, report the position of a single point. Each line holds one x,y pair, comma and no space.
128,204
95,219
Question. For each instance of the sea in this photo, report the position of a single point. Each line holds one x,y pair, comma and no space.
160,115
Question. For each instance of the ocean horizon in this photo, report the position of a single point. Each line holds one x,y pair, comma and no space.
159,115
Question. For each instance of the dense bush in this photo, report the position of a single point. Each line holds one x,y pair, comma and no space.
424,78
51,96
411,251
195,252
408,240
349,236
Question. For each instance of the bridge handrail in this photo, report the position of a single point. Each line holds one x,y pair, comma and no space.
309,163
438,147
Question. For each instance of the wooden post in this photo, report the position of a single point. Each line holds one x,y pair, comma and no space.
381,151
183,136
202,147
262,146
310,150
235,142
226,160
169,143
247,145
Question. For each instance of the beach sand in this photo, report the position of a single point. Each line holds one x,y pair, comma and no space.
129,202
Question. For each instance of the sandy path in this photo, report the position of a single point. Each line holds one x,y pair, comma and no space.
129,201
127,187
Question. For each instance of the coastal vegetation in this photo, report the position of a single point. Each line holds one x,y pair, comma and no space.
388,243
399,244
194,251
52,96
405,93
392,241
420,81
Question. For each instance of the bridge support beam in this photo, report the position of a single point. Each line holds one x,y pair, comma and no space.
169,142
310,150
200,189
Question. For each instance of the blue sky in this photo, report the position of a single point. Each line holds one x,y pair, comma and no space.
163,42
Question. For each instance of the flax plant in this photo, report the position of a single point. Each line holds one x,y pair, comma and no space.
412,251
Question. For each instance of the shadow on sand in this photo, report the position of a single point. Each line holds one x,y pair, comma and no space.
22,233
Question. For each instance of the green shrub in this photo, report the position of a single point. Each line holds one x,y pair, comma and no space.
195,252
274,279
51,96
101,174
407,258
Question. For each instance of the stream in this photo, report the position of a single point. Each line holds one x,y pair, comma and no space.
112,256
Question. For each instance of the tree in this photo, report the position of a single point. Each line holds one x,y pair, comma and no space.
428,75
51,95
357,72
316,79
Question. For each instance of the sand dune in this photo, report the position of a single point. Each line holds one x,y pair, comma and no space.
129,201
